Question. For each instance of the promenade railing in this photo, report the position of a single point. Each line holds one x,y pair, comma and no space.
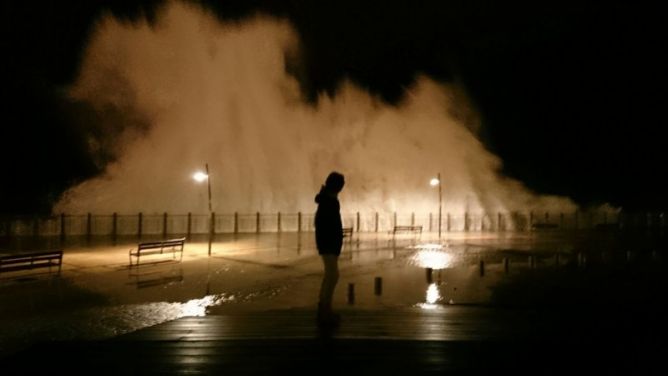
168,224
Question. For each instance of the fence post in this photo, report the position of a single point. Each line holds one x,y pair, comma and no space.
447,218
62,226
140,224
358,221
114,228
430,224
278,223
530,220
190,223
394,219
213,223
236,222
164,225
498,221
376,225
466,221
591,220
89,225
299,222
257,222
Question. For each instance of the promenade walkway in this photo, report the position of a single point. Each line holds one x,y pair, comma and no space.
459,340
249,309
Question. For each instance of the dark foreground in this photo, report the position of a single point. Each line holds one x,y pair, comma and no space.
600,314
451,339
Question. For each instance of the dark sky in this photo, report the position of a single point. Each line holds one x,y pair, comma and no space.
570,93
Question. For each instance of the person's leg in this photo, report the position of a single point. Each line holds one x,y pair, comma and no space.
329,281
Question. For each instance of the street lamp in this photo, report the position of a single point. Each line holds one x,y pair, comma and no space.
200,177
434,182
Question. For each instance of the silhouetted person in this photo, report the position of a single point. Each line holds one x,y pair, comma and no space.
329,240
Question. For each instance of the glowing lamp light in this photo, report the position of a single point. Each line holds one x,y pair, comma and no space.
434,182
200,176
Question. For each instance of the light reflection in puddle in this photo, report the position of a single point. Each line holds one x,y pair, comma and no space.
432,256
197,307
132,317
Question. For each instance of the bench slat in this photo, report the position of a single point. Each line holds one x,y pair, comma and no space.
157,248
32,260
406,229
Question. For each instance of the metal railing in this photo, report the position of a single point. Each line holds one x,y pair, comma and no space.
166,224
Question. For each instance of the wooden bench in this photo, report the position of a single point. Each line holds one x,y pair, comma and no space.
157,248
347,232
544,226
407,229
32,260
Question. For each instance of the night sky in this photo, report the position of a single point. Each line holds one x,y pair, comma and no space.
570,93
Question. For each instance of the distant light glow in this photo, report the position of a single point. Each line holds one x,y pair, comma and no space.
434,182
200,176
432,258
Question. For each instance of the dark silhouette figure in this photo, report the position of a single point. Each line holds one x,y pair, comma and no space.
329,240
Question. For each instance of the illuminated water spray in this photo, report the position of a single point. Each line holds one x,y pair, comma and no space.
190,89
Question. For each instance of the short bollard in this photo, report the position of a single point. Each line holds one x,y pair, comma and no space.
378,286
429,272
482,268
506,265
351,293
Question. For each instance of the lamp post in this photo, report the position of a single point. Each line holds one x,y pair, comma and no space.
434,182
199,177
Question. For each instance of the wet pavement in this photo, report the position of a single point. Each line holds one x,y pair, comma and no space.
573,280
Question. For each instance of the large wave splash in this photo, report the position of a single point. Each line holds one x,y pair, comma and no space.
189,90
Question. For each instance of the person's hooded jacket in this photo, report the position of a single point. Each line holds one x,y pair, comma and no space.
328,226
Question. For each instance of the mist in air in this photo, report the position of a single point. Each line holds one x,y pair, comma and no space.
190,90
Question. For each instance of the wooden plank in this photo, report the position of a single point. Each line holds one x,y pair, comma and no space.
452,324
470,340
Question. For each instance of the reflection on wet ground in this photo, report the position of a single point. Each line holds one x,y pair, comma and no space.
98,295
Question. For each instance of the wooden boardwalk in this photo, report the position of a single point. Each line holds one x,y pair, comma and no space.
455,339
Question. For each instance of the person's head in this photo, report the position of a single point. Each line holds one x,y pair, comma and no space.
335,182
